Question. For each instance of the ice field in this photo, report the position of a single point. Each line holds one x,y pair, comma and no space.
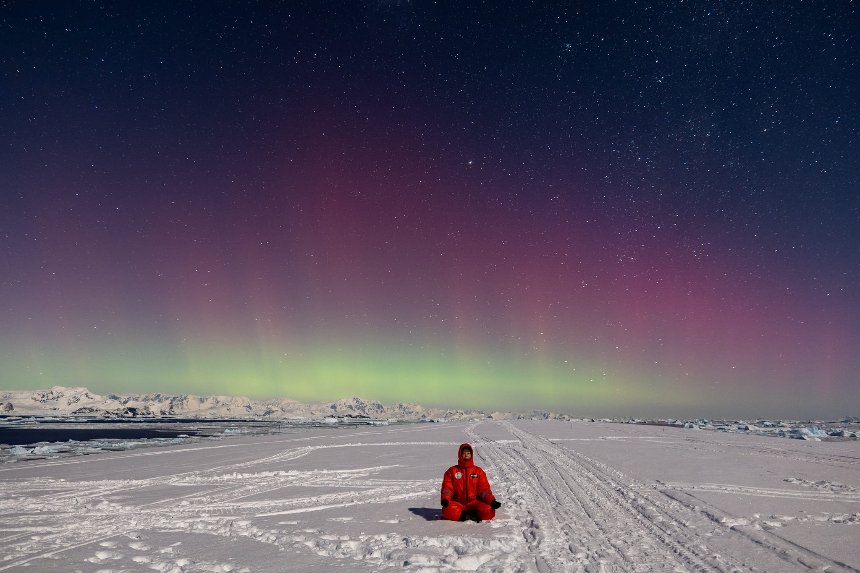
577,496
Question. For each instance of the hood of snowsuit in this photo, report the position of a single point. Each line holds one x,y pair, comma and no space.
465,463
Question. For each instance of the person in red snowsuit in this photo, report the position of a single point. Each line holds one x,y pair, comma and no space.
466,492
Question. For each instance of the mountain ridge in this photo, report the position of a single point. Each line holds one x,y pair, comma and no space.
70,401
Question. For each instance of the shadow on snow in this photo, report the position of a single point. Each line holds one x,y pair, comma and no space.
428,513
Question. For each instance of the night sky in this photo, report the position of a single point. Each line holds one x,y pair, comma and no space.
603,208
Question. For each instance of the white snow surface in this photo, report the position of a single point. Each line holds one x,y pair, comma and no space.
576,497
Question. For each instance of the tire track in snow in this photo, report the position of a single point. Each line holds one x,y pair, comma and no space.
581,515
847,496
786,550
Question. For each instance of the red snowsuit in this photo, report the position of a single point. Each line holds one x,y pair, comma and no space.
466,489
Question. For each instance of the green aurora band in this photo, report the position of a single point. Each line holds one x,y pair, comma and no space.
445,377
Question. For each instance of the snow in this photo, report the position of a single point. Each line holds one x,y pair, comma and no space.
577,496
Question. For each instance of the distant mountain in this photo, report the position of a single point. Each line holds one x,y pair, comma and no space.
62,401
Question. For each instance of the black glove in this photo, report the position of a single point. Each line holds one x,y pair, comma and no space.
444,503
495,504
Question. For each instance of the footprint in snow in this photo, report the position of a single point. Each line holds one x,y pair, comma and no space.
101,556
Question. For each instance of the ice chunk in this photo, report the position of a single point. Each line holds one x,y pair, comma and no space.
45,450
807,433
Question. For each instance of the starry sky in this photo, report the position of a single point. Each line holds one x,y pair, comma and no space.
602,208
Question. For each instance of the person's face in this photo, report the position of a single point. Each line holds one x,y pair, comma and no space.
467,455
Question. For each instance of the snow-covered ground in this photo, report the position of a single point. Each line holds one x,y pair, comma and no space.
577,497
